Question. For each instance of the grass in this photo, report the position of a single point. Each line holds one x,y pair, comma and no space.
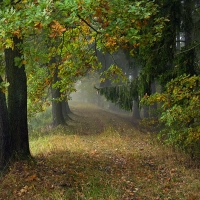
101,156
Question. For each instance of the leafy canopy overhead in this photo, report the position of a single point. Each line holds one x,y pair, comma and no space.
72,31
116,22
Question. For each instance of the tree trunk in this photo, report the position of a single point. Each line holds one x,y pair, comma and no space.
189,29
5,145
136,110
66,110
154,107
57,113
17,101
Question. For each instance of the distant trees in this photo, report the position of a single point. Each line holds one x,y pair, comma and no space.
170,56
172,62
77,25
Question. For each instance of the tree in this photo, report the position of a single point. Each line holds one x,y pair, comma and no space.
66,109
161,60
14,140
180,113
17,101
5,139
134,35
179,100
57,113
87,21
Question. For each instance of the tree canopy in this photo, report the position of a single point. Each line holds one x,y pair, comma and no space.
54,43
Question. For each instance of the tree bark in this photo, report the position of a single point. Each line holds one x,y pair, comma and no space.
66,110
17,101
5,145
57,114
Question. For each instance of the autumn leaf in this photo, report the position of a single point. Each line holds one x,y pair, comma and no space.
38,25
23,191
56,29
17,33
32,178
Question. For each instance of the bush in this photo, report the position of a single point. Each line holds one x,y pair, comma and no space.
180,113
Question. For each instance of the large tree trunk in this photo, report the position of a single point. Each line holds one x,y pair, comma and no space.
57,114
66,110
5,145
17,101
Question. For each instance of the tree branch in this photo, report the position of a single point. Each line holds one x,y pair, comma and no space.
88,24
188,49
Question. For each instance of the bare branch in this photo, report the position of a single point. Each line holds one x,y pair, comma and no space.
188,49
88,24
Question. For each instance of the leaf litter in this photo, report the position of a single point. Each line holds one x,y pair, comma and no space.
109,159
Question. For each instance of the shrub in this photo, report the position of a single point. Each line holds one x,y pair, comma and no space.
180,113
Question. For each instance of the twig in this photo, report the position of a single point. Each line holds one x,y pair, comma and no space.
188,49
88,24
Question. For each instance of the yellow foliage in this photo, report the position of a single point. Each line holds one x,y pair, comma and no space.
9,43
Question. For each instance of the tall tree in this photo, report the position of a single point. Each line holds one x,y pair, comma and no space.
179,99
57,114
58,17
66,109
17,100
5,146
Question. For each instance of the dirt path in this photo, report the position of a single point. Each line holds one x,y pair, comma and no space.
95,120
101,156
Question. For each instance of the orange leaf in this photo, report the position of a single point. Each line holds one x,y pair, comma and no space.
32,178
57,29
38,25
17,33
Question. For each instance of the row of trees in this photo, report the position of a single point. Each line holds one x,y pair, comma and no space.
50,44
172,63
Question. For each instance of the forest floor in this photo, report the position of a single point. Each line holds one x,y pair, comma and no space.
100,155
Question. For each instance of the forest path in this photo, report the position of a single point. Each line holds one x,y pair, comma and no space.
94,120
101,155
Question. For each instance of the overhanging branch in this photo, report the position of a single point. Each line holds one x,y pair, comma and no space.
88,24
188,49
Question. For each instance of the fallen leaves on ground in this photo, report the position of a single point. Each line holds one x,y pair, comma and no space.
109,159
